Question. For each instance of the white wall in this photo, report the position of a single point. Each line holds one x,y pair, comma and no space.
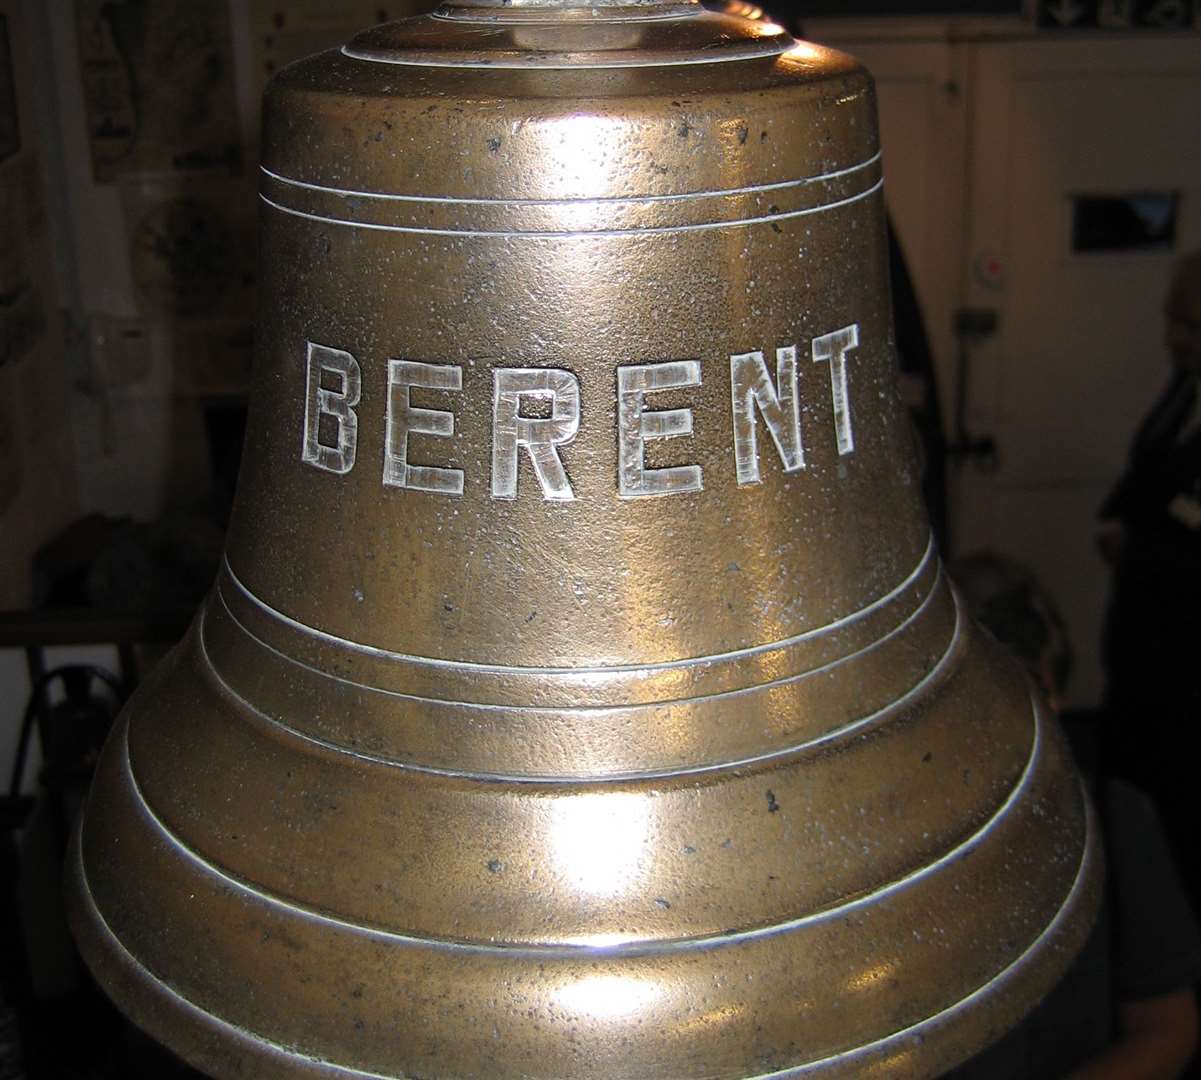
988,129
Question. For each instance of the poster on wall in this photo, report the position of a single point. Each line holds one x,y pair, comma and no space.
192,261
158,86
191,245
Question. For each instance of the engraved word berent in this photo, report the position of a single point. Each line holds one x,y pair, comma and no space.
754,395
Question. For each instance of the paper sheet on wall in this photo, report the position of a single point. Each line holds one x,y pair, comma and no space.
192,260
158,86
191,246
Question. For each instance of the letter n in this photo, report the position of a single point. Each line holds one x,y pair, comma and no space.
751,388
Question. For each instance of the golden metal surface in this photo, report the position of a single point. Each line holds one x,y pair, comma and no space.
582,696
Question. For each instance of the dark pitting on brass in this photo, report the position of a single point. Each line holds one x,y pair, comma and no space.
582,695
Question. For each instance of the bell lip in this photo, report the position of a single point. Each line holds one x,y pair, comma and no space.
551,38
926,1048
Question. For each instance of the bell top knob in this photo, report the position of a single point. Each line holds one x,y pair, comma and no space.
570,34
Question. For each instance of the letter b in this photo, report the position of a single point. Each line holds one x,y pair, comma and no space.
338,404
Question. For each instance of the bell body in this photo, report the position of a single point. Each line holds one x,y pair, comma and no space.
582,696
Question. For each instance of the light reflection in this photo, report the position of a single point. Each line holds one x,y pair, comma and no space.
581,156
804,50
721,1016
597,842
870,977
607,997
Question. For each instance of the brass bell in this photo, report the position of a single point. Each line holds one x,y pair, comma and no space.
582,695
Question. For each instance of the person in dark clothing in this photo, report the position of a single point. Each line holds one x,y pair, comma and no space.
1151,535
1151,523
